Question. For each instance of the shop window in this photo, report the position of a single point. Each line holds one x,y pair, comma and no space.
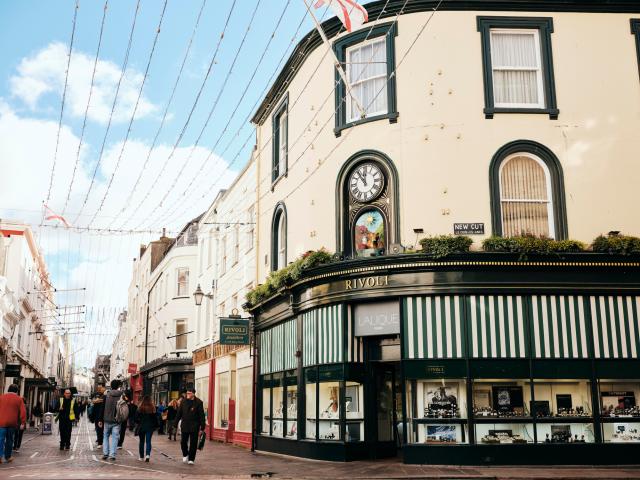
562,409
527,192
280,127
279,238
202,388
369,239
222,399
369,61
273,409
354,412
291,405
243,405
311,392
501,411
619,410
368,223
436,411
518,65
329,412
277,410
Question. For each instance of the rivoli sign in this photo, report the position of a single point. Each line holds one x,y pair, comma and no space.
234,331
380,318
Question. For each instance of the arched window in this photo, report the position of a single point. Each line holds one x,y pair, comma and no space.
527,192
369,234
279,238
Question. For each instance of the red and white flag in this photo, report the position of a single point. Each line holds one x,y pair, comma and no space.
51,215
349,12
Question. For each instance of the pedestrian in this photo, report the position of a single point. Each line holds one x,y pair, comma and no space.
161,416
36,414
133,408
146,422
12,416
67,413
191,413
19,432
96,415
172,410
126,396
115,412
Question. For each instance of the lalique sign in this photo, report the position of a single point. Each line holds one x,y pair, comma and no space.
380,318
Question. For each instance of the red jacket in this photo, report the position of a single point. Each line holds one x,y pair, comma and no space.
12,411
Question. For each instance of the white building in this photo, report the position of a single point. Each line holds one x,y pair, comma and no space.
119,349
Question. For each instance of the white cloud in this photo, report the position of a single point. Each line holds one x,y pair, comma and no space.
44,72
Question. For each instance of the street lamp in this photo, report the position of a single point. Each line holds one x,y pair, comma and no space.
198,295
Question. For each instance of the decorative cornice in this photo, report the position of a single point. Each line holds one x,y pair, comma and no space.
333,27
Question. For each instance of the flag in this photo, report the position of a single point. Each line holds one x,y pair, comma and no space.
51,215
349,12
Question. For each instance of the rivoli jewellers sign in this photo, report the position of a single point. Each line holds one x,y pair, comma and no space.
379,318
366,282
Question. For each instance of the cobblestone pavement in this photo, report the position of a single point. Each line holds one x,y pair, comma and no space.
40,458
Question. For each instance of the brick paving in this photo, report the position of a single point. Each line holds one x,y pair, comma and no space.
40,458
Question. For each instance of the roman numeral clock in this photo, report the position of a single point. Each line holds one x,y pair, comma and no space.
366,183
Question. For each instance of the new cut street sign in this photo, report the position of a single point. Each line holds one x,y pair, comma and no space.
234,331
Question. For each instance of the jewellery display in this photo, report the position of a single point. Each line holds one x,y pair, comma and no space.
617,412
487,412
625,433
450,412
502,436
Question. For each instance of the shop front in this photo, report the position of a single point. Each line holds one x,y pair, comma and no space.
478,359
165,378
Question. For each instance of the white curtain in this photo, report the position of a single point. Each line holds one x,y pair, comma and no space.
367,75
517,75
525,198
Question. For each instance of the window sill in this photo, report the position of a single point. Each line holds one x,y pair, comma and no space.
277,180
552,112
392,116
180,297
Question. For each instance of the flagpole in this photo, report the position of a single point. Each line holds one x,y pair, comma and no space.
336,62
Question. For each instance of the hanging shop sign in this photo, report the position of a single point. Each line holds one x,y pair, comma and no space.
12,370
468,228
234,331
380,318
133,368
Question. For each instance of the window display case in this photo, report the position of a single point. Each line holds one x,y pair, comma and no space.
563,411
437,411
291,408
619,411
311,385
277,409
329,411
354,412
501,411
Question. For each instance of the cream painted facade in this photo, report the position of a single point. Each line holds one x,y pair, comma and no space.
442,144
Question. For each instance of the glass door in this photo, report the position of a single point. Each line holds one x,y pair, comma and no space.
385,405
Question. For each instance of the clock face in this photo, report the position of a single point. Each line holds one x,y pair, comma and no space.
366,182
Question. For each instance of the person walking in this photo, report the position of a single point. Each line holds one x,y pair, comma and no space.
191,413
146,422
115,411
160,409
96,415
126,396
172,411
67,413
19,432
36,414
13,415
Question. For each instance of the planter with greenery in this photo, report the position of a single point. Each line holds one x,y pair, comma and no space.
531,245
616,244
442,245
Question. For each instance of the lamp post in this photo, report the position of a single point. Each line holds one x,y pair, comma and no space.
198,295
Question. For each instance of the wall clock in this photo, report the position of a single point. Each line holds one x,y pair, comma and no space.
366,182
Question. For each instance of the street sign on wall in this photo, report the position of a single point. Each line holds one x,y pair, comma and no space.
234,331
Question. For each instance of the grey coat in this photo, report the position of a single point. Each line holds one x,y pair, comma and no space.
110,401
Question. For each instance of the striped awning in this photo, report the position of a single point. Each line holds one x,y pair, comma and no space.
433,327
278,348
355,345
290,344
323,335
265,352
560,327
616,328
497,326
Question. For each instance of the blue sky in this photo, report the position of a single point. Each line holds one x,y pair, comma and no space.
35,36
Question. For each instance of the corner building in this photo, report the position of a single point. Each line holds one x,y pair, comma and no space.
515,116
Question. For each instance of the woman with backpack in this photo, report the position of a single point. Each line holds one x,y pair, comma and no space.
146,423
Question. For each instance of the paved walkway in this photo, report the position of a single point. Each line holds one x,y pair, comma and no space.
40,458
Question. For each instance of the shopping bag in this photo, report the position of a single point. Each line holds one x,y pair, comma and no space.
201,440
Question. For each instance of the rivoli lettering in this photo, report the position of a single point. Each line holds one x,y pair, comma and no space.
366,282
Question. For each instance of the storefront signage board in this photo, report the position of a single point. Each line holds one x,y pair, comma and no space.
234,331
468,228
379,318
133,368
12,370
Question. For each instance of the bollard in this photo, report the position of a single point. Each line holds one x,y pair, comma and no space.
47,423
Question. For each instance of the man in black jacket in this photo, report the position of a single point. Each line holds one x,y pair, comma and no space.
97,416
191,413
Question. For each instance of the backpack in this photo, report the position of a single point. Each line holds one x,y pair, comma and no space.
122,411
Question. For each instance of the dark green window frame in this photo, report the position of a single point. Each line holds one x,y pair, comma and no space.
556,177
635,30
283,108
340,47
280,212
544,25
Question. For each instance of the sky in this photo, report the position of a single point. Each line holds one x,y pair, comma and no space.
155,158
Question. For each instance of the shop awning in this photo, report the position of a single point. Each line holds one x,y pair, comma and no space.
560,327
323,334
616,327
278,348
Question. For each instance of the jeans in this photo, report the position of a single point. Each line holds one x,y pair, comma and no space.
145,437
189,444
111,430
6,441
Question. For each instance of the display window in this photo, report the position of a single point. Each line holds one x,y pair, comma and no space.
291,405
619,410
223,382
266,405
311,385
243,404
436,411
354,412
501,411
329,414
277,409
